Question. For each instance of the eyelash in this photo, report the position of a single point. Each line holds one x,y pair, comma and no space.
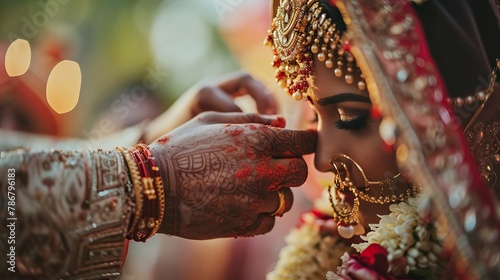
356,125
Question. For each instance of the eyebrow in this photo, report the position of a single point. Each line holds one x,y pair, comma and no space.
343,97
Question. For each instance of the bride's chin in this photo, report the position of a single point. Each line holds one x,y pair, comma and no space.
370,213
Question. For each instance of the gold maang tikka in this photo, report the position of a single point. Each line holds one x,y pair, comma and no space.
345,201
300,30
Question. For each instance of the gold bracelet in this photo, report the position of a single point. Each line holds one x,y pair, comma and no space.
136,181
149,214
158,182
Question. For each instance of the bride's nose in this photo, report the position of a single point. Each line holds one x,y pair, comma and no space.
322,162
325,149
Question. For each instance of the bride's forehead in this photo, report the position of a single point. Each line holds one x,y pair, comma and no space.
328,85
325,83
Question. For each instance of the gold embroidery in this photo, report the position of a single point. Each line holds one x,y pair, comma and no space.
484,143
72,212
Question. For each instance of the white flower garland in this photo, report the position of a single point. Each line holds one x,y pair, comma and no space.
308,255
404,233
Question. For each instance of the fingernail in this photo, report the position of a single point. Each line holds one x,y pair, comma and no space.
279,122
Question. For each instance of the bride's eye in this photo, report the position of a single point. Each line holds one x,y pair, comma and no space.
353,123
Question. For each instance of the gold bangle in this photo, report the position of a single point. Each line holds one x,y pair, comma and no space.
158,183
136,181
161,195
149,216
150,202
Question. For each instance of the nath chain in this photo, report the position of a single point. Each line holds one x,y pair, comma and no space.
346,203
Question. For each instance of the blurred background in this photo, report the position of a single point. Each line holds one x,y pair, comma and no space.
162,47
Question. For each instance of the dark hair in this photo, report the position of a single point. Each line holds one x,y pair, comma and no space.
333,13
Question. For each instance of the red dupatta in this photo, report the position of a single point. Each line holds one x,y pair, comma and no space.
390,47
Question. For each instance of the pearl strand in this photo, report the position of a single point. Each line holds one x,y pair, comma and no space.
480,96
471,99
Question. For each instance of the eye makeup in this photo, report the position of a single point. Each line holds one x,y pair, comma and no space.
353,123
343,97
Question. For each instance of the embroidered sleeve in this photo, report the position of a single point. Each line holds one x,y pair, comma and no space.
64,214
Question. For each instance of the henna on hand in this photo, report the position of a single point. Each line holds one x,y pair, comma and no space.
219,176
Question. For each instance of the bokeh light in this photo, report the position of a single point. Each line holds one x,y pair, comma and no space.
18,58
63,86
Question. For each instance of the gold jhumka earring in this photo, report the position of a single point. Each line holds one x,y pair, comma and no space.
345,199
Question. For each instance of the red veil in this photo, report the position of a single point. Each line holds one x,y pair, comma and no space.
414,58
